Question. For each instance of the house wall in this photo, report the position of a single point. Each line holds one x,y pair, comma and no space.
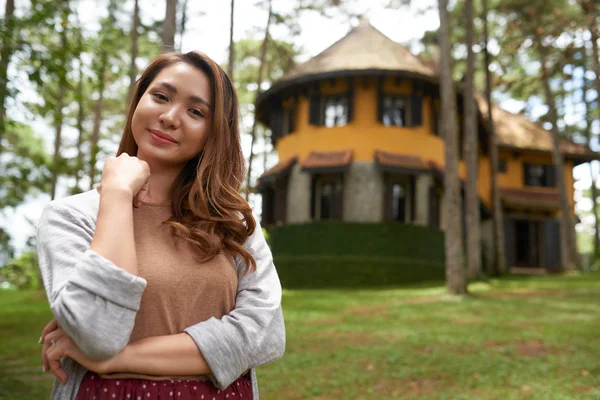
513,177
364,134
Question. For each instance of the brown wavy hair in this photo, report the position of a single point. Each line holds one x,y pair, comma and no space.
207,208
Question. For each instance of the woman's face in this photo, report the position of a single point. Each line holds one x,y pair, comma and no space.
171,123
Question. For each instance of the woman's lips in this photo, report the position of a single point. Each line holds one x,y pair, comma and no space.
161,137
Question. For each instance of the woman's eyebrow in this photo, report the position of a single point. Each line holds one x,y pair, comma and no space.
173,89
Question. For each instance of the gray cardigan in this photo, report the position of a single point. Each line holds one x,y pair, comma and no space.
95,301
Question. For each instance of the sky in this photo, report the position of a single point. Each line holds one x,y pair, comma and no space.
207,30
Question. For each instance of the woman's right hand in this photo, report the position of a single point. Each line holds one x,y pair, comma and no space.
126,174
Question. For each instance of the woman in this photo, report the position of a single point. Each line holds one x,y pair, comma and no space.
161,282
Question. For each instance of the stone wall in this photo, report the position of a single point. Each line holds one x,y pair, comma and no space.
298,209
363,193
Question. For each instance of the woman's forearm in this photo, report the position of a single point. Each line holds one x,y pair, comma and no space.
113,238
172,355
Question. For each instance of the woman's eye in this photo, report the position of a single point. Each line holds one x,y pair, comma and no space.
196,113
160,96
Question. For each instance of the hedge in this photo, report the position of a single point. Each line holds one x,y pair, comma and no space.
350,255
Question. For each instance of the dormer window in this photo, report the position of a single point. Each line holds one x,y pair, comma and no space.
395,111
539,175
400,110
335,111
331,110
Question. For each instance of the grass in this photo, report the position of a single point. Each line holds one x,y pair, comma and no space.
513,338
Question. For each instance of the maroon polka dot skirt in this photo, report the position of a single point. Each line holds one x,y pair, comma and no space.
95,388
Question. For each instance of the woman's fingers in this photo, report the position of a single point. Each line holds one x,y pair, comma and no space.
55,345
140,196
49,328
55,353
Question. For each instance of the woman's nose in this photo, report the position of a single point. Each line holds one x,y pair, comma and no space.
170,117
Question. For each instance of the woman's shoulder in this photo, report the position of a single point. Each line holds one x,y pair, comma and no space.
85,203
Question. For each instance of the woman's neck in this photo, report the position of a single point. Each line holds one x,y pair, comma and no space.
160,187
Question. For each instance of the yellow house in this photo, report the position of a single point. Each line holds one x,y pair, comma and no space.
356,132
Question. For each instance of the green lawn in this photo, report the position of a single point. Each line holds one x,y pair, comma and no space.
514,338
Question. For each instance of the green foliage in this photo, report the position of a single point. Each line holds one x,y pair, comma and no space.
24,166
333,254
21,272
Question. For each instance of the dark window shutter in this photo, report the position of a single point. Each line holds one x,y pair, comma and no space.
380,96
350,100
292,119
509,242
277,122
526,174
274,122
550,175
315,109
552,244
416,110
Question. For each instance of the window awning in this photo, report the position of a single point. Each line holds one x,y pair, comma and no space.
531,199
280,170
395,162
333,161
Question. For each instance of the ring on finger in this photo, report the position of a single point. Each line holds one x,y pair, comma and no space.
53,342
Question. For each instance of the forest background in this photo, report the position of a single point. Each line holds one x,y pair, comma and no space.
67,67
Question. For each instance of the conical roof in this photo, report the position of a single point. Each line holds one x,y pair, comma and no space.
364,48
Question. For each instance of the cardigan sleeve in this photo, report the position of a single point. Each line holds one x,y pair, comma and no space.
254,332
92,299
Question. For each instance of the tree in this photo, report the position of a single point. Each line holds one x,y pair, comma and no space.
134,47
455,274
231,44
499,262
471,151
7,33
61,73
591,11
170,25
259,81
568,246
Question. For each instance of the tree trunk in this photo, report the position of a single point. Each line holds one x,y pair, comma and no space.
471,150
265,151
169,25
499,262
58,114
567,232
98,108
455,273
6,54
588,136
80,117
231,44
183,22
134,47
259,81
596,67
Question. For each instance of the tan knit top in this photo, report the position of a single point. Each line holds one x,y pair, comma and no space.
180,291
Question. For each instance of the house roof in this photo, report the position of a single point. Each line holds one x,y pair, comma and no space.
364,48
514,131
331,161
400,162
521,198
